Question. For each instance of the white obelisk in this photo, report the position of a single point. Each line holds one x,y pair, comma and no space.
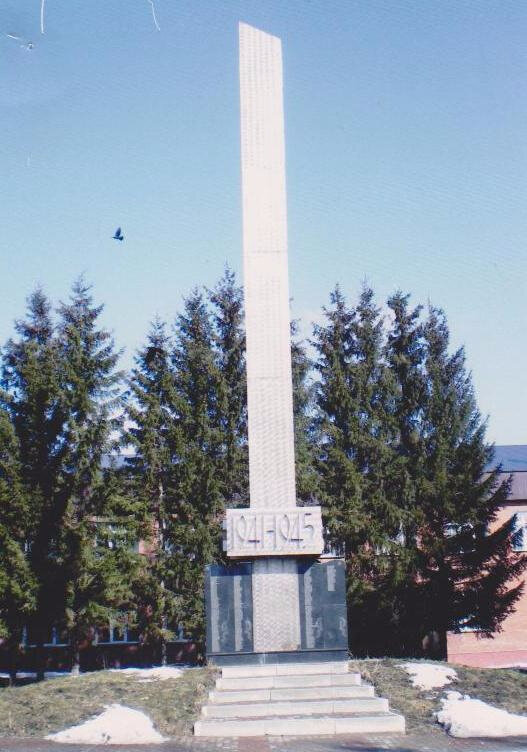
269,385
274,529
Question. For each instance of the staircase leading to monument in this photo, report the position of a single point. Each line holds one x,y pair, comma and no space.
294,699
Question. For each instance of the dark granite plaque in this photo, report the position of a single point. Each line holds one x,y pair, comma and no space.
323,613
229,609
322,608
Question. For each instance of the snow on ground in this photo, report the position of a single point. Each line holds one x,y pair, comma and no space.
464,717
116,725
429,675
159,673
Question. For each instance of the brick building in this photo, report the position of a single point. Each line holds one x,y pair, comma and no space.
508,647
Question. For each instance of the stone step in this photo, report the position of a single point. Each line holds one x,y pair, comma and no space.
308,680
291,693
285,669
295,708
371,723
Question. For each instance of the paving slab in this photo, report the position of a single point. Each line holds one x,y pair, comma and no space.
432,742
423,742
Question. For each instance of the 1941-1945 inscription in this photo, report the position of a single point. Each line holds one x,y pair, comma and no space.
269,532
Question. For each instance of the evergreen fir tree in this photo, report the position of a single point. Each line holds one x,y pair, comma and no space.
304,424
194,498
405,353
95,576
353,397
397,607
229,343
356,464
17,583
340,480
33,398
155,434
467,574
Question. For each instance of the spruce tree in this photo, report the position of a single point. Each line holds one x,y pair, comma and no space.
467,571
155,435
397,607
17,583
194,497
405,354
340,479
304,424
229,345
355,463
32,396
99,522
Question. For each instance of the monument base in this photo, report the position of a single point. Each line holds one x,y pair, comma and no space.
293,656
304,603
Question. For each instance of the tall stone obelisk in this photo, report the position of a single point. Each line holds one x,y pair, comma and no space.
267,321
269,383
267,599
267,325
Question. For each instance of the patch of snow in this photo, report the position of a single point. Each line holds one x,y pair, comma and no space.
429,675
116,725
464,717
158,673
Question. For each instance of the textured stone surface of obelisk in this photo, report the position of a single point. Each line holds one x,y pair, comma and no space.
276,624
269,388
274,525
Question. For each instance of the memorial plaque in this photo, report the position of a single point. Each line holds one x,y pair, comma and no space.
273,532
228,600
323,612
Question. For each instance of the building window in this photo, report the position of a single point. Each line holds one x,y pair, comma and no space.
119,634
115,633
57,637
521,527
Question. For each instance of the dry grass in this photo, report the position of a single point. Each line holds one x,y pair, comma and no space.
504,688
46,707
41,708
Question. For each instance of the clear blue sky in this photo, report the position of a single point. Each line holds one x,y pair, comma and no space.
406,161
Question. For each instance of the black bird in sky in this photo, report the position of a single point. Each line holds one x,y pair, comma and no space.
118,234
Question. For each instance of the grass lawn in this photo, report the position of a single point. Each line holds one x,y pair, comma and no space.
41,708
504,688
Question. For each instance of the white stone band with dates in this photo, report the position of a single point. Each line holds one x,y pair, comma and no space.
273,532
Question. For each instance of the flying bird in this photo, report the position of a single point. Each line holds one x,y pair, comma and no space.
118,234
